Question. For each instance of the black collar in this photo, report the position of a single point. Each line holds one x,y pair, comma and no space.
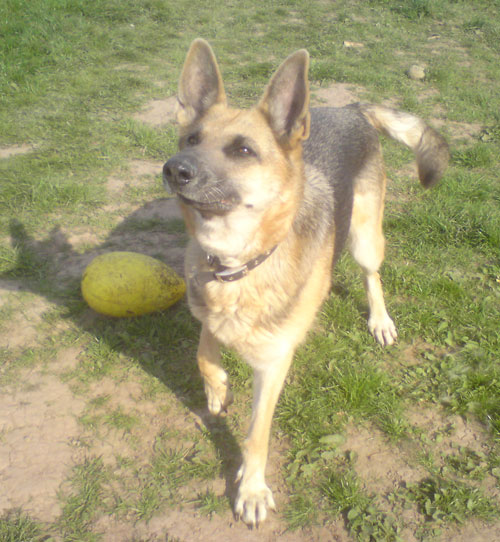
222,273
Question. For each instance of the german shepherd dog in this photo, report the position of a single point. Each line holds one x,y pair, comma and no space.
270,196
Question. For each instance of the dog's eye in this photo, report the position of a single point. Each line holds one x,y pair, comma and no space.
244,150
193,139
240,147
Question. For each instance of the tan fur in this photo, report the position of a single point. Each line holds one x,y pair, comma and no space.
244,189
430,148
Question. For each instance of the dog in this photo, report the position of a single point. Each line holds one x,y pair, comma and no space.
270,196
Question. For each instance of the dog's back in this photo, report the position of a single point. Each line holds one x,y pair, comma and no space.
339,146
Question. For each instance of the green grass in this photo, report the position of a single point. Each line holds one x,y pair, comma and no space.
444,500
72,76
15,526
83,501
208,503
344,494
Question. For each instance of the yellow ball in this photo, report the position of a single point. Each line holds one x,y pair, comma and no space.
130,284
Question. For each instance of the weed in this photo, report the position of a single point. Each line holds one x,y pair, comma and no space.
466,462
21,260
120,420
16,527
442,500
412,9
100,358
84,501
301,511
171,468
364,520
208,503
476,156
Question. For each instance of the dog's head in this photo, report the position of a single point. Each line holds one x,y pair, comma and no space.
238,174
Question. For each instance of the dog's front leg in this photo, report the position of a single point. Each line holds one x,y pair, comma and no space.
254,497
219,395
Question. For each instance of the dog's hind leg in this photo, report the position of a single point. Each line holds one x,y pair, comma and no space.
366,244
219,395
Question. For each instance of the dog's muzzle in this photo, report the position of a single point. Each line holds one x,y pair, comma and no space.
197,187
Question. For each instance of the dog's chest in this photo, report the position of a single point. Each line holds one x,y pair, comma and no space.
233,312
246,315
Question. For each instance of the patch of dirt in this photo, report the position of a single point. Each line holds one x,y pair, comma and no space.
127,398
412,354
38,422
21,329
437,45
380,465
134,177
12,150
383,468
408,170
474,531
80,240
460,131
188,525
67,359
130,66
335,95
468,433
158,112
450,435
427,94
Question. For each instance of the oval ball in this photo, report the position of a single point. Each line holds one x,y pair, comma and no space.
125,284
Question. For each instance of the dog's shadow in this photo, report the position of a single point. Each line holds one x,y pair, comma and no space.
52,268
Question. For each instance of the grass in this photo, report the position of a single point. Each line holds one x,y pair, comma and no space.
72,76
83,501
15,526
345,495
442,500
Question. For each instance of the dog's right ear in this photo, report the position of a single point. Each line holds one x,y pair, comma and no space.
200,85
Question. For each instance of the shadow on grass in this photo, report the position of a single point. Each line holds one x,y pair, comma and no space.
163,343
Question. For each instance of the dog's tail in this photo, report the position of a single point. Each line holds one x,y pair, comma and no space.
430,148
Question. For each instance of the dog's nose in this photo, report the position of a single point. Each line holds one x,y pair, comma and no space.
179,171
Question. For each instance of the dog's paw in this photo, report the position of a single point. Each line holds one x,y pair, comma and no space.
252,502
219,394
383,329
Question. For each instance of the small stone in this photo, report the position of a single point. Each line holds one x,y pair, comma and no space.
416,72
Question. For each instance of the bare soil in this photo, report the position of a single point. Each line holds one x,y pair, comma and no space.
38,423
12,150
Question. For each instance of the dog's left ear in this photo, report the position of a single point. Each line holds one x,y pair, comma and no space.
200,85
286,99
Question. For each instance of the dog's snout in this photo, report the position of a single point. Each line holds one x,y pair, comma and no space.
179,171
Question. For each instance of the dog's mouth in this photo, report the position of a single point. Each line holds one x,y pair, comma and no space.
209,208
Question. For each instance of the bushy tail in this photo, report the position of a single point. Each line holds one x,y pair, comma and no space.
430,148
